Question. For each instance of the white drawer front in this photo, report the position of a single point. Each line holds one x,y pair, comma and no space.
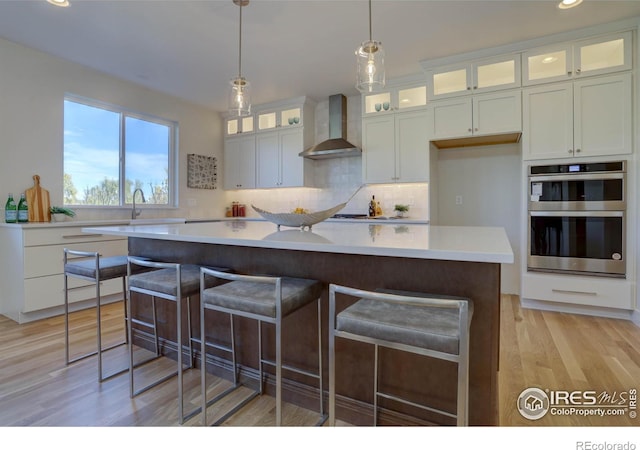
591,291
47,260
61,235
46,292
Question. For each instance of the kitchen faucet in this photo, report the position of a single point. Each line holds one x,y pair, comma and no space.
135,213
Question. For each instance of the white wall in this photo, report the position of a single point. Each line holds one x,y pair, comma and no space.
32,89
488,182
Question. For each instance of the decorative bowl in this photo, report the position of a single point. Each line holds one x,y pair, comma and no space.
301,221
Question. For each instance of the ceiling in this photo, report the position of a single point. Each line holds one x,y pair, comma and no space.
290,48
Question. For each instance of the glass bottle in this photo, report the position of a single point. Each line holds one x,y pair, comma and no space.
23,210
10,210
372,206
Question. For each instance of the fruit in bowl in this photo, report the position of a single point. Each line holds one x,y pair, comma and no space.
299,210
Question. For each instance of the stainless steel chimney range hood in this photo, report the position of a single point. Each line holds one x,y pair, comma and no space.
337,145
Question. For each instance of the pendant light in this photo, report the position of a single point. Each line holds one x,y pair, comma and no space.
370,64
240,93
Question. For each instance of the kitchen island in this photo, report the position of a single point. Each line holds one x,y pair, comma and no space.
458,261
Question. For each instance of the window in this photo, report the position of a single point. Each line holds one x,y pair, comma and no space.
109,153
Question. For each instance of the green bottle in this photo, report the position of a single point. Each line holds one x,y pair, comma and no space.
10,210
23,210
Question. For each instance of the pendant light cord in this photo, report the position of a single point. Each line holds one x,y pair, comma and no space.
370,38
240,43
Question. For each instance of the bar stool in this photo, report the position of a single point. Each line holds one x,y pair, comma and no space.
265,299
92,267
434,326
169,281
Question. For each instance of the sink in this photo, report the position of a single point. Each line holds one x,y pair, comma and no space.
156,221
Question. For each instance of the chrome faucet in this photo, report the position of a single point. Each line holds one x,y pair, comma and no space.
135,213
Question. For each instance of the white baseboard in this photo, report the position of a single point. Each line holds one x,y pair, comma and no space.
59,310
612,313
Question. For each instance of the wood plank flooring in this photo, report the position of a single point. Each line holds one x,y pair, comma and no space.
538,349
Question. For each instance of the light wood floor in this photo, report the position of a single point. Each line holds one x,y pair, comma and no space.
538,349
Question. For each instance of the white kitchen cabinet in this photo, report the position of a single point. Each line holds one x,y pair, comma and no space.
278,160
485,114
396,148
396,98
578,290
491,74
237,125
32,275
294,112
240,162
589,117
572,60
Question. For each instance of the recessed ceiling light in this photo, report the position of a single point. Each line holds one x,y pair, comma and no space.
63,3
566,4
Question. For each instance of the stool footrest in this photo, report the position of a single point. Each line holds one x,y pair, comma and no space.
291,369
416,405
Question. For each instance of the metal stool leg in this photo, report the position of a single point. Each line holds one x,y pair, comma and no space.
98,324
375,386
279,372
320,360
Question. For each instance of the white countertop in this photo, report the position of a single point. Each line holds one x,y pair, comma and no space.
478,244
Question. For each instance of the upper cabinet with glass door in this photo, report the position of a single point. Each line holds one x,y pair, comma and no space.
596,56
239,125
286,116
502,72
395,99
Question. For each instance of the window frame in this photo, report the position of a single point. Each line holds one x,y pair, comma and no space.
124,113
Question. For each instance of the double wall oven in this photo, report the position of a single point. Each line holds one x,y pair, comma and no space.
576,218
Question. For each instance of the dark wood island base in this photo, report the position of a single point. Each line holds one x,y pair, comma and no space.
426,380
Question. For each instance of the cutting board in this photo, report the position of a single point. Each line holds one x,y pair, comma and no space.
38,201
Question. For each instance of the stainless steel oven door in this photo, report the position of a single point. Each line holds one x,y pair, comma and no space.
581,242
577,192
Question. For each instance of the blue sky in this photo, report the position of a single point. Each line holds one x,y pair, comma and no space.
91,147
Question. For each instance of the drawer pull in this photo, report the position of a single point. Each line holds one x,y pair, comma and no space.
565,291
78,236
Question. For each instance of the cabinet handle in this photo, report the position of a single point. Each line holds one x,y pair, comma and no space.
468,88
578,71
570,150
569,73
565,291
577,150
78,236
469,130
476,129
475,87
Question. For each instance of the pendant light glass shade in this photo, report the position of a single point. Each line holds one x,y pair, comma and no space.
370,67
370,64
239,97
240,91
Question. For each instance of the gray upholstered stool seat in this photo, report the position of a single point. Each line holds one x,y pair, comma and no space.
173,282
265,299
434,326
164,280
252,297
90,266
109,267
418,326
